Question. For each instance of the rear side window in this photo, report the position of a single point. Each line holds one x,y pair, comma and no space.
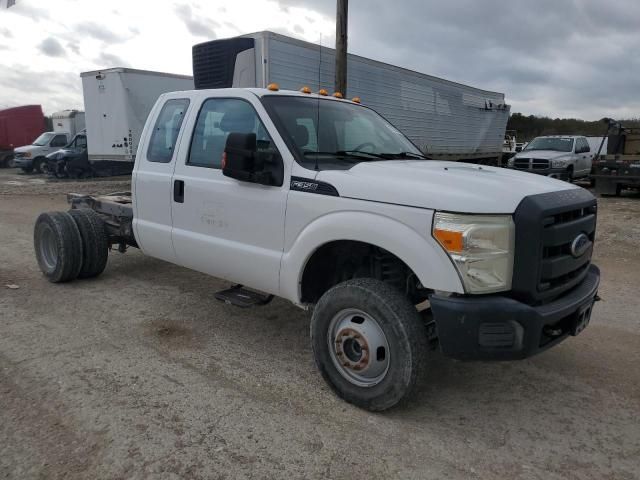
584,145
166,129
218,118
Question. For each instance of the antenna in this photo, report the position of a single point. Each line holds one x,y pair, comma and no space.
318,105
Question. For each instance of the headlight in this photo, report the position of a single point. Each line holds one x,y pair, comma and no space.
481,247
26,154
559,162
511,161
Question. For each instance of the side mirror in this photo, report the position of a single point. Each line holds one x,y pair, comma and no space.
242,161
239,156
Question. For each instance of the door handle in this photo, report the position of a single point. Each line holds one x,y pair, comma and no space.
178,191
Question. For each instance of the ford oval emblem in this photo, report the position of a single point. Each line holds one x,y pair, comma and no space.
580,245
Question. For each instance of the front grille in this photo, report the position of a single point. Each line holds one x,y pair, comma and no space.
546,227
559,266
531,163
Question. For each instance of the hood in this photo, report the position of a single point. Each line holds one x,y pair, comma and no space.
450,186
545,154
26,148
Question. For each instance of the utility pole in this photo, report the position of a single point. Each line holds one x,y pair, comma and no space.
341,46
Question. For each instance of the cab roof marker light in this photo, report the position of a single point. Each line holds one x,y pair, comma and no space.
355,99
305,89
337,95
323,92
274,87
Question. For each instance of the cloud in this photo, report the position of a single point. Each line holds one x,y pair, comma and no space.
99,32
548,57
26,10
197,25
109,60
556,58
52,47
22,86
74,47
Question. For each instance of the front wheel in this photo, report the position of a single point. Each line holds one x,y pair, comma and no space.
37,164
369,343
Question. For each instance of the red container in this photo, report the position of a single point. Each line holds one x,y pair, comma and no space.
20,126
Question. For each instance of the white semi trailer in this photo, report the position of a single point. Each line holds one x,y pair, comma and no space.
117,102
446,120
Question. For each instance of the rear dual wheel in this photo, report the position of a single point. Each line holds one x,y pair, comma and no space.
70,245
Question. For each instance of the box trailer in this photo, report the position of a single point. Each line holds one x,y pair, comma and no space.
117,102
445,119
68,121
18,126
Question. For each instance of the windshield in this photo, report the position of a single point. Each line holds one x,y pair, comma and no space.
335,134
558,144
43,139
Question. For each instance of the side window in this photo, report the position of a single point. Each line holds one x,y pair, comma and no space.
166,129
81,142
59,141
585,145
218,118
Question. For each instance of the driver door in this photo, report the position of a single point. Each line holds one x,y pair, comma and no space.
225,227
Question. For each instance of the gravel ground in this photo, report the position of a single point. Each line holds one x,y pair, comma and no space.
141,373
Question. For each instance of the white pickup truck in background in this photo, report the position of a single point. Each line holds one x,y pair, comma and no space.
566,157
324,203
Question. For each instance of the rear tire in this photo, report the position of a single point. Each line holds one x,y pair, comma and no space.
95,243
58,246
388,343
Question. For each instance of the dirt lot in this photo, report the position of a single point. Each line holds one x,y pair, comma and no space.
141,373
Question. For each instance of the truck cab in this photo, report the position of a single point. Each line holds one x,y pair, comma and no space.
33,157
565,157
322,202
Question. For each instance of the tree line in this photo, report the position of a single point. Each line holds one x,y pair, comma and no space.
529,126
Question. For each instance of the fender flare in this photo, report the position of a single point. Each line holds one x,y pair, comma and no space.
422,254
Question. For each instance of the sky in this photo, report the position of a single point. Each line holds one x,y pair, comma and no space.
558,58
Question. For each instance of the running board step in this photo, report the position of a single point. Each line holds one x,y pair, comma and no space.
241,297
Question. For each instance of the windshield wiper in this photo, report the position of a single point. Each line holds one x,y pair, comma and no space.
417,156
354,154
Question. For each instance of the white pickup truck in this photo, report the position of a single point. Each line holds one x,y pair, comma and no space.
322,202
566,157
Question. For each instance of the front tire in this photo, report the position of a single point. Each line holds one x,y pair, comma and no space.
369,343
37,164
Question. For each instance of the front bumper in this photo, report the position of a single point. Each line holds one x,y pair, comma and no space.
501,328
22,162
559,173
